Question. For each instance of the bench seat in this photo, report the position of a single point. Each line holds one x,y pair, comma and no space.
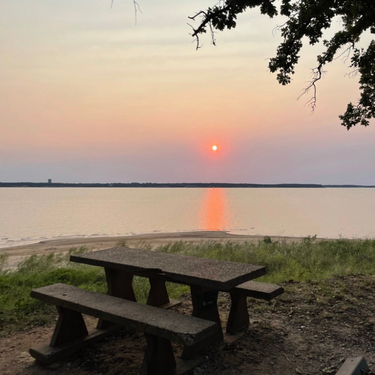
257,289
159,325
239,316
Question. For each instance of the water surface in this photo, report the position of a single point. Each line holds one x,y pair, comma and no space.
30,215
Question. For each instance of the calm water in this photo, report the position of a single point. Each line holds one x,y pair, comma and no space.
30,215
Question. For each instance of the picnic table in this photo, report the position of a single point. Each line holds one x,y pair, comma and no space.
204,276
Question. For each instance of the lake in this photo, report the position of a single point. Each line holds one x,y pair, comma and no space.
29,215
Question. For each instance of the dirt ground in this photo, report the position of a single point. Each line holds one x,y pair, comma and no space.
311,329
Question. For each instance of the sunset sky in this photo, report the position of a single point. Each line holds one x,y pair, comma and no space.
88,96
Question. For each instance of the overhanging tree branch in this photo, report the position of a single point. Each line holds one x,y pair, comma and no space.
310,18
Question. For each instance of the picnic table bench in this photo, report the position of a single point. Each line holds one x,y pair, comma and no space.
206,277
239,315
160,326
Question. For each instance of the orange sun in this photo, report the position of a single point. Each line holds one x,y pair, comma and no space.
214,147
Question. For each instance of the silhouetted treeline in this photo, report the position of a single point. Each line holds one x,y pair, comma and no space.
173,185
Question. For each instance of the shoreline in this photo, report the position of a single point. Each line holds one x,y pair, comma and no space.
16,254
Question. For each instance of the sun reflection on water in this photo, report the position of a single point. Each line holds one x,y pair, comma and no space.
214,213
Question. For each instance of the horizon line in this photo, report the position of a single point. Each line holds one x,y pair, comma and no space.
174,184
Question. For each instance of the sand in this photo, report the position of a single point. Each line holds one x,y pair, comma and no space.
17,253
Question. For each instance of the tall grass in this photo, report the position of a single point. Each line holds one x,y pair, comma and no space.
308,260
18,310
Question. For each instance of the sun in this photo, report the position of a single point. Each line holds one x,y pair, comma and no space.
214,147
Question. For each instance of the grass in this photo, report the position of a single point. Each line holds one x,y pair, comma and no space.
309,260
18,310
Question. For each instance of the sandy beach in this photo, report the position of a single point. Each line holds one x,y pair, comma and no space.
153,240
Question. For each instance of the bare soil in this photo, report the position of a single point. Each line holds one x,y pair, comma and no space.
311,329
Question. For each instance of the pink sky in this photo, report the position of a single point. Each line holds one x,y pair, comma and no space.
87,96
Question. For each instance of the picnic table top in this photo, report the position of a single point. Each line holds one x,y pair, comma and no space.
204,272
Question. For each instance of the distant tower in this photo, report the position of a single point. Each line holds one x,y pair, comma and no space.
50,181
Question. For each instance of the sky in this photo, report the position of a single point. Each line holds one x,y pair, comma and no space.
94,93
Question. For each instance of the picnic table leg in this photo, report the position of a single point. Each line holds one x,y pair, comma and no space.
119,284
238,316
204,302
159,358
70,326
158,295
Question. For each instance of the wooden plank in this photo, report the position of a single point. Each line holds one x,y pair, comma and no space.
153,320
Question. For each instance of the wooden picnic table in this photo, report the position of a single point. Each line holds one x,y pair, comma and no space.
204,276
